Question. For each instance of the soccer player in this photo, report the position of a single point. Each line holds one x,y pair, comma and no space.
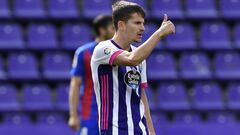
119,73
87,123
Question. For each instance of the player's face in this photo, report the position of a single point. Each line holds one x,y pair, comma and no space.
135,27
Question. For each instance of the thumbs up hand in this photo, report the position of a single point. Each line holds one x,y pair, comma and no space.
166,28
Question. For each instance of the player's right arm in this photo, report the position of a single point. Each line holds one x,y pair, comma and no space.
77,73
142,52
74,121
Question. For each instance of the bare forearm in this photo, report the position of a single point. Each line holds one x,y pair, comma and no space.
74,96
143,51
147,114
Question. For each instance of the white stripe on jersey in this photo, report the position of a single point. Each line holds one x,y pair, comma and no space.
142,114
97,93
115,102
129,110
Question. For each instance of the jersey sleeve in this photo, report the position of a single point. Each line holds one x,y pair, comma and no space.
144,75
77,65
105,53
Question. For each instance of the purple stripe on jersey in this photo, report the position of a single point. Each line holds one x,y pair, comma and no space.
106,97
135,102
114,43
122,113
145,124
103,103
114,55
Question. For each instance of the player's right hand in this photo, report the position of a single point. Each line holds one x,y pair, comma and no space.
167,27
74,123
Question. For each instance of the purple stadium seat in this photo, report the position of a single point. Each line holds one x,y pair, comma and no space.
187,118
62,97
220,118
42,36
29,9
22,66
56,66
63,9
51,118
37,97
11,36
72,35
215,36
8,98
16,118
161,66
227,65
4,9
233,96
207,96
173,96
52,123
172,8
92,8
220,123
185,123
160,122
230,9
2,70
194,66
237,36
17,123
183,39
201,9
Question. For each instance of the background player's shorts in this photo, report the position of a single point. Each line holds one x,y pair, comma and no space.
89,127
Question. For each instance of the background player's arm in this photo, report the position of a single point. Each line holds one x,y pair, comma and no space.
147,113
73,103
142,52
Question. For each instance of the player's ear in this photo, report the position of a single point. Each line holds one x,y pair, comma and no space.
121,25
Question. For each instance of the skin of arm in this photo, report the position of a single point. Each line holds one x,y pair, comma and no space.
147,113
135,57
73,103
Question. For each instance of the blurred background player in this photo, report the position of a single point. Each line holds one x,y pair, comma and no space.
86,123
119,72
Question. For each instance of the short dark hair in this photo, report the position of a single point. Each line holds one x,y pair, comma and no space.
122,10
101,21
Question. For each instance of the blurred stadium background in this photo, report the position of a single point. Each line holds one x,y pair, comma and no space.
193,75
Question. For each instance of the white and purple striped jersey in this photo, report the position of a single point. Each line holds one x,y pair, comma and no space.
118,92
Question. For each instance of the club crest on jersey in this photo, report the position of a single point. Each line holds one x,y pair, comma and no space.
132,79
107,51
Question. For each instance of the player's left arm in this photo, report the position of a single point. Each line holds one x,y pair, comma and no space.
147,113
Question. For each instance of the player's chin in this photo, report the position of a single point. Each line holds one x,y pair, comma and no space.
138,40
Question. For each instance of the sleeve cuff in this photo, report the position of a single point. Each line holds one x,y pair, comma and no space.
114,55
144,85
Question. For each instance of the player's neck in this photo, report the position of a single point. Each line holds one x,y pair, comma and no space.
121,41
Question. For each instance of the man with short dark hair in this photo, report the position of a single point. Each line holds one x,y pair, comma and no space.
81,76
119,73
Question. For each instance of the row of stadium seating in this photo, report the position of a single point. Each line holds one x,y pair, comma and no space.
33,97
46,123
168,96
184,123
212,36
161,65
178,9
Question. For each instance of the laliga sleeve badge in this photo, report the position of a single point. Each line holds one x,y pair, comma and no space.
107,51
